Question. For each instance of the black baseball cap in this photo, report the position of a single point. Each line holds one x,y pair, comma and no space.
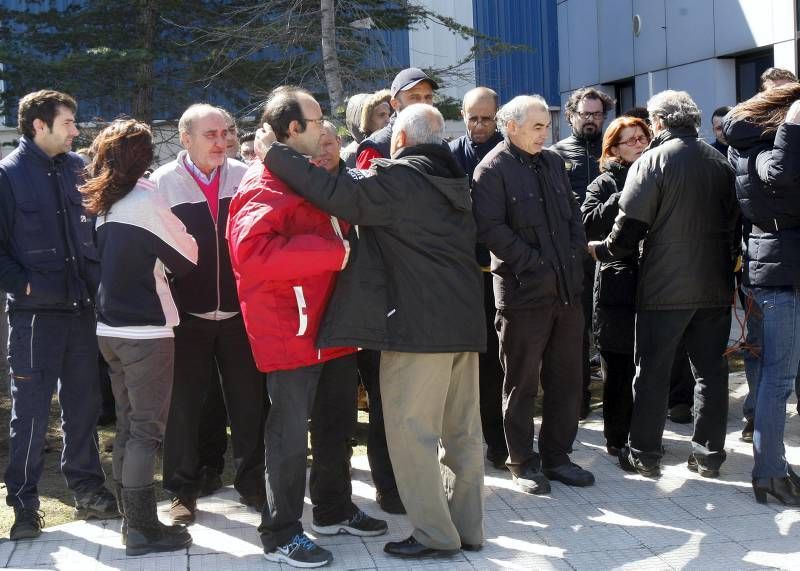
408,78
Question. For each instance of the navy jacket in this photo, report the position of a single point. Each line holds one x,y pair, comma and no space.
46,238
768,190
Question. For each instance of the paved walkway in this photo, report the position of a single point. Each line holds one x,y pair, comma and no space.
624,521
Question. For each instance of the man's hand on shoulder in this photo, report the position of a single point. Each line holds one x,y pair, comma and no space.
265,136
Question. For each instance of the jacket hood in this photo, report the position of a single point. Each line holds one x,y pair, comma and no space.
437,165
742,134
617,170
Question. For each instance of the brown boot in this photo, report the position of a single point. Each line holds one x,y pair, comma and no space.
182,510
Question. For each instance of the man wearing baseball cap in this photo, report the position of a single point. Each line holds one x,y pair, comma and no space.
411,85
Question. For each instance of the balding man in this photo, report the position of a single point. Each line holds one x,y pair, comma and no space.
528,218
286,255
413,291
478,111
410,86
199,185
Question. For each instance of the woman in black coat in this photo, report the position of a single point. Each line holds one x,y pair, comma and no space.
615,283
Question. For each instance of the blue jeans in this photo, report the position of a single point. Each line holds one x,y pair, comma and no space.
752,364
780,356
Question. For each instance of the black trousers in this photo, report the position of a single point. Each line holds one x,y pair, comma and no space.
490,381
681,383
199,345
213,427
326,394
618,371
547,337
658,335
587,303
380,464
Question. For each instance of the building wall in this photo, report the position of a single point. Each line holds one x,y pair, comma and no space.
686,45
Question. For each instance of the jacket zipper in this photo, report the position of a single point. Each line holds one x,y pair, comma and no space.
215,219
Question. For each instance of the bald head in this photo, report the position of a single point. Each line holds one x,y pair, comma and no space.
478,111
204,134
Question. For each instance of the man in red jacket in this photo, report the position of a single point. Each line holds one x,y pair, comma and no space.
286,254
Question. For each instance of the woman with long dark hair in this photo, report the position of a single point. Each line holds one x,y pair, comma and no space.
764,138
615,283
139,240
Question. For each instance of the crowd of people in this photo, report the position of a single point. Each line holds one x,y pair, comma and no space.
255,282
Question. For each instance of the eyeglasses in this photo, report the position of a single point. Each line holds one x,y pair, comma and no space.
319,121
633,141
475,121
590,115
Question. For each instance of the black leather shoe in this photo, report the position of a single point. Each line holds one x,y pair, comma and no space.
410,547
570,474
390,502
747,431
471,546
782,489
698,467
630,464
794,477
531,481
613,450
256,502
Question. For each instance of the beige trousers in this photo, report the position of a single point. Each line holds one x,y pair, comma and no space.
433,429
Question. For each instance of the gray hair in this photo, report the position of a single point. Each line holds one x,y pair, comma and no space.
674,109
422,124
194,112
330,127
352,115
516,110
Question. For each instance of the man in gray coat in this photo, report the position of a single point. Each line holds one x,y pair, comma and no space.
679,201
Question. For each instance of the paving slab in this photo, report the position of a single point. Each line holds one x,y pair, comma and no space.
624,521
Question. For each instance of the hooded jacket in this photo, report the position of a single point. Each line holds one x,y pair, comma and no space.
286,255
767,188
412,283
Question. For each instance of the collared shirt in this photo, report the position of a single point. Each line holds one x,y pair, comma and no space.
193,168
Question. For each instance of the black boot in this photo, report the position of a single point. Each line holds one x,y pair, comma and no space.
785,490
145,533
116,489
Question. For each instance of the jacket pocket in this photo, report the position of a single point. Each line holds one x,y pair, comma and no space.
302,311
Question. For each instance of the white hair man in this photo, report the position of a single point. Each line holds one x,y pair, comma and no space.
415,227
679,201
528,218
198,186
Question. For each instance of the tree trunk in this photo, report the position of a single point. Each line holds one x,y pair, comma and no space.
330,61
142,104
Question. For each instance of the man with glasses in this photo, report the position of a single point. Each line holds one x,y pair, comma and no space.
286,256
585,111
478,111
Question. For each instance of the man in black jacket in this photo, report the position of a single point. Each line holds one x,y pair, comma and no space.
49,267
679,201
478,111
412,290
585,111
528,218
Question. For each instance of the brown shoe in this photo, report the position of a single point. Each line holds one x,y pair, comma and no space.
182,510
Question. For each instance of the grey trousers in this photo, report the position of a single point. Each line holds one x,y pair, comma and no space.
141,378
433,429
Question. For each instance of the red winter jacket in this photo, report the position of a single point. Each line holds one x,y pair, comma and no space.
285,254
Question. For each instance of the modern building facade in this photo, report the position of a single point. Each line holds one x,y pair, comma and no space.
713,49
